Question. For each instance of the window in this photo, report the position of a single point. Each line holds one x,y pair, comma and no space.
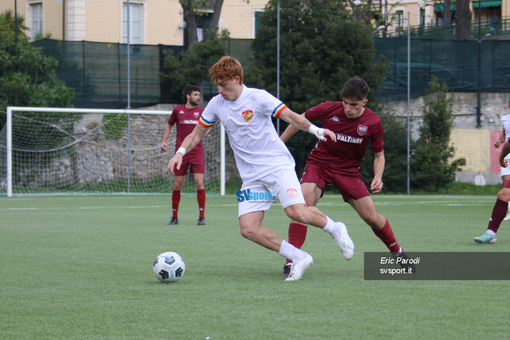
399,19
135,23
257,14
37,19
422,16
203,24
494,13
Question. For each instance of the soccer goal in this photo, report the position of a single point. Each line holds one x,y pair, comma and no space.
96,151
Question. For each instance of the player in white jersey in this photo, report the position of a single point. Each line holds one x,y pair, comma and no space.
505,135
502,202
264,162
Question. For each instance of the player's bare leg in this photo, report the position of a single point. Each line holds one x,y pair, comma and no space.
366,210
253,230
380,226
505,179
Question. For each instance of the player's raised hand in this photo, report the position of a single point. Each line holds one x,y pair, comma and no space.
176,161
376,185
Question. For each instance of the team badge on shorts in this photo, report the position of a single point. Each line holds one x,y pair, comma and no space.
362,130
292,193
248,115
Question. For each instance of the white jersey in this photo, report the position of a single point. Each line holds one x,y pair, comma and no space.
505,121
257,147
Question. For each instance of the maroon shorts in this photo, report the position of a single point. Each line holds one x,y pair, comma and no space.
349,185
507,184
196,160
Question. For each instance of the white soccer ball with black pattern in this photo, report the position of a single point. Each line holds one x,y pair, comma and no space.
169,267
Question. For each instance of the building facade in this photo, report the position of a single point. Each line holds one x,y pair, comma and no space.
151,22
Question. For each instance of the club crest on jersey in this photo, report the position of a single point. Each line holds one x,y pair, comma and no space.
248,115
362,130
292,193
196,114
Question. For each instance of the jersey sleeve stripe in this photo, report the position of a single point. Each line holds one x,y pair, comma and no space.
205,123
278,110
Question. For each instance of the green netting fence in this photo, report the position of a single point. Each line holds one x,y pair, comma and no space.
98,71
452,61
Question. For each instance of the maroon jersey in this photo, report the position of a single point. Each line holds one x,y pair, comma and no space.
352,134
186,120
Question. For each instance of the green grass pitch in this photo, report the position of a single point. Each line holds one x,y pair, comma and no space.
80,267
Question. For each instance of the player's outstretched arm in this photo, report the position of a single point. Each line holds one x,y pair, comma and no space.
289,131
504,152
301,123
501,140
187,145
379,163
165,137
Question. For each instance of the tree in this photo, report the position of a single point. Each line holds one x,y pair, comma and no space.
395,151
321,46
27,77
446,13
431,164
463,19
386,16
192,66
192,9
8,25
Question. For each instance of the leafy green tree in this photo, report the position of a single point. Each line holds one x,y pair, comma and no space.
8,25
27,77
395,151
192,66
432,166
321,46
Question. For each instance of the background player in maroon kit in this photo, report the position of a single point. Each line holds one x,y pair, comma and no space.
338,162
186,117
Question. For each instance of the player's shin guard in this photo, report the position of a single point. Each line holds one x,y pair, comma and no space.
201,202
297,235
176,199
498,214
386,235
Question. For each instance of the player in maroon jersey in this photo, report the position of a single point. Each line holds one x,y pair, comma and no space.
186,117
338,162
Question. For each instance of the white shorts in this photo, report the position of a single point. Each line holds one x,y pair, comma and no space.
282,184
506,171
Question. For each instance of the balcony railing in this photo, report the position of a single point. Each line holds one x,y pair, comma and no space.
489,28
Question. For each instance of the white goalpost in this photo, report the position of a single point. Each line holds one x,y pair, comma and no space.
58,151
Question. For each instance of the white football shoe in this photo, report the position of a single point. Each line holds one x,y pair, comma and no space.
344,242
507,216
298,268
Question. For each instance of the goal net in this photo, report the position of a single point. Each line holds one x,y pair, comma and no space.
82,151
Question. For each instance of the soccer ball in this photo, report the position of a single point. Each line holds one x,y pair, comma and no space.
169,267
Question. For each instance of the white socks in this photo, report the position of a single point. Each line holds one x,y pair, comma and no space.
332,229
290,252
490,232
